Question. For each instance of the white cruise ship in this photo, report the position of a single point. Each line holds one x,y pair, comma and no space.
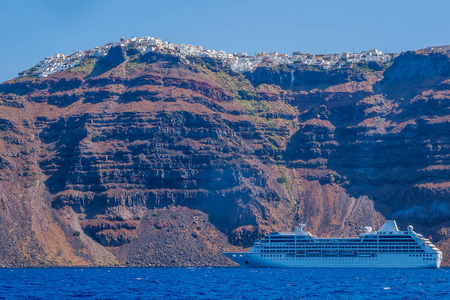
387,248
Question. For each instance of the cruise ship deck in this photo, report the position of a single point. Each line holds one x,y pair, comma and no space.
387,248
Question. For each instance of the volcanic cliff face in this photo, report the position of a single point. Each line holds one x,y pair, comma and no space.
152,160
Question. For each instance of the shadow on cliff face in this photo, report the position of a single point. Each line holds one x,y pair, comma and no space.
62,136
162,60
414,100
409,80
116,55
428,214
308,77
210,63
412,66
63,100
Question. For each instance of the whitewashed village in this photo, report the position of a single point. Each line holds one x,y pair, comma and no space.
238,62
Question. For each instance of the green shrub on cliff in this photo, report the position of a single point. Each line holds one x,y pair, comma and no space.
244,94
282,179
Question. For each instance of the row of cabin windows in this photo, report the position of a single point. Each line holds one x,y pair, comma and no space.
425,256
382,237
343,242
392,245
393,242
342,245
361,251
320,259
343,248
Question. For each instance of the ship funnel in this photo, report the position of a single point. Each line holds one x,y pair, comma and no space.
299,230
389,226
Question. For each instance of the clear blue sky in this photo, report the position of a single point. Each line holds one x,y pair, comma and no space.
33,29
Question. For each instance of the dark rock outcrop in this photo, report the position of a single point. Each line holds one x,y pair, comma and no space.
301,76
116,55
416,66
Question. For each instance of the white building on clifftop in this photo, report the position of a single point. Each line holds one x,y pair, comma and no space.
238,62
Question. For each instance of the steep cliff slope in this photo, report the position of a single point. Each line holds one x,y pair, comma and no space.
154,160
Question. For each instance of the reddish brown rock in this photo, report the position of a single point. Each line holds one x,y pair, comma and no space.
151,161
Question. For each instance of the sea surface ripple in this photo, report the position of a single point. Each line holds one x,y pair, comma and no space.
224,283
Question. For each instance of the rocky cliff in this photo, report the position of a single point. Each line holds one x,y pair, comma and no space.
153,160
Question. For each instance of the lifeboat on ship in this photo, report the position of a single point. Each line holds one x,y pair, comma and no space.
330,253
313,252
347,253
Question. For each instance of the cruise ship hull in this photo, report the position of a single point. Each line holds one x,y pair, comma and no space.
252,260
387,248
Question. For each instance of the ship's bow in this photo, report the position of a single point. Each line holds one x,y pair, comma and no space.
239,258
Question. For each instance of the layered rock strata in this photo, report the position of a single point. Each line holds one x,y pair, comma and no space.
152,160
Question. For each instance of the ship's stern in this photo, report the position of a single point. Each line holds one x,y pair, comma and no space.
439,259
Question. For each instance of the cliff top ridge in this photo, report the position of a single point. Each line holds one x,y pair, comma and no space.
238,62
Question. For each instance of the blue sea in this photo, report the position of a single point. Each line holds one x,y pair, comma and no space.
224,283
